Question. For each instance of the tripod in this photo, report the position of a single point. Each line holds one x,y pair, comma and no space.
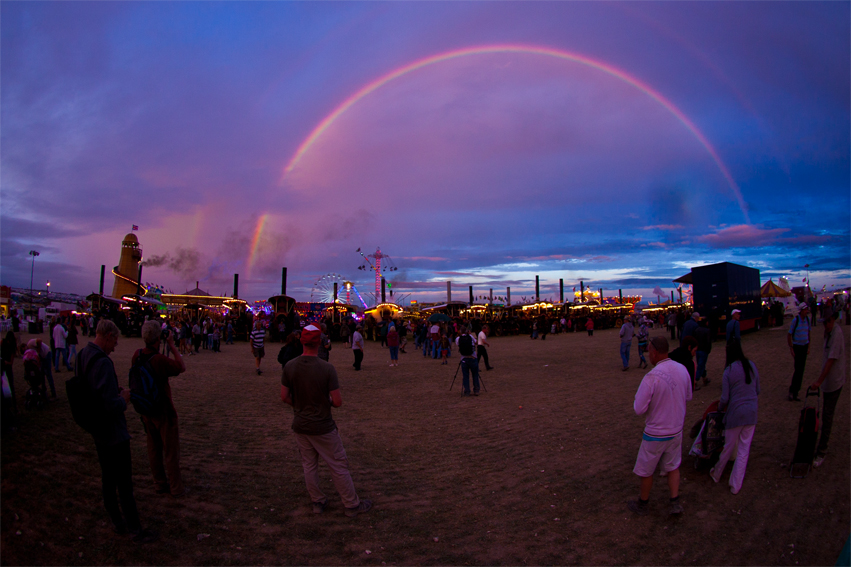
460,362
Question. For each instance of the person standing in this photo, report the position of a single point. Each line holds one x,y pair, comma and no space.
672,324
324,343
8,352
626,333
196,337
311,387
643,336
739,391
392,340
798,339
72,341
830,380
357,346
589,326
482,347
734,330
46,362
684,354
690,326
112,441
469,362
257,339
161,428
60,334
704,347
661,398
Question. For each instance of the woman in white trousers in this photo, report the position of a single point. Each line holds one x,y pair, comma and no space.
739,391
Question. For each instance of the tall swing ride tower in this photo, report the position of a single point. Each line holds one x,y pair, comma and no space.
378,256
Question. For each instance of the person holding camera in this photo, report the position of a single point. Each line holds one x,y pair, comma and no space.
469,362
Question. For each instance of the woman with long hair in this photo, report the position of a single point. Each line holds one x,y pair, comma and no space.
739,391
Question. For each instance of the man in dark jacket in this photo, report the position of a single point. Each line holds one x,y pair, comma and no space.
684,354
111,438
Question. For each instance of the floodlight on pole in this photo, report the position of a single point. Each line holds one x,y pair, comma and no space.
33,253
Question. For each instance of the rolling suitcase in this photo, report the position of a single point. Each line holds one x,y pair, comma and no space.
805,449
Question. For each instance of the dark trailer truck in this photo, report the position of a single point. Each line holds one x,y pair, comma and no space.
720,288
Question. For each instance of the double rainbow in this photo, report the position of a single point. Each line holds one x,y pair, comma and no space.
510,48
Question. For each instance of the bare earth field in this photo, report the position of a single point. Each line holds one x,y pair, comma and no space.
537,470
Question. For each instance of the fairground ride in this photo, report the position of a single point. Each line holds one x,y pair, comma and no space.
376,266
324,289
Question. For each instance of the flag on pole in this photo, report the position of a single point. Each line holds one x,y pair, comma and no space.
135,227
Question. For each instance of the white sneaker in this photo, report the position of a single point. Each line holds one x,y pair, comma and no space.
818,460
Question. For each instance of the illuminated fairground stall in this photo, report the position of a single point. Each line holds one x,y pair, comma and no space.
385,311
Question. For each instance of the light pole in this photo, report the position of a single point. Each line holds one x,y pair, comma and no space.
807,295
33,253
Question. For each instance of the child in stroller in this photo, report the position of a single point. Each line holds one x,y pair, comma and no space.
36,397
708,435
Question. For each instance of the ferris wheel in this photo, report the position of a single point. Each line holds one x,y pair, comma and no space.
323,289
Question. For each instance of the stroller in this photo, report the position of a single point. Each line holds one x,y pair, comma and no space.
708,435
36,397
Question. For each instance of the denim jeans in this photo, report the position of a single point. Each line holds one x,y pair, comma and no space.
48,373
469,365
702,357
63,353
72,354
625,353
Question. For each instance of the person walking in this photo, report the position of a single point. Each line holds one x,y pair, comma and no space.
798,340
739,392
112,441
161,428
734,330
310,385
257,340
661,398
482,347
831,379
357,346
626,333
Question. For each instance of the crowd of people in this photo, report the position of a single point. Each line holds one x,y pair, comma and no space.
310,385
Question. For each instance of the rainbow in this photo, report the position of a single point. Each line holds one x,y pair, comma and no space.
524,49
255,241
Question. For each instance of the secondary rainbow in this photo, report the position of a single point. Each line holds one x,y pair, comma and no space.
524,49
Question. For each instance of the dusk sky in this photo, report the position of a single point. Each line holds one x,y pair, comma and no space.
478,142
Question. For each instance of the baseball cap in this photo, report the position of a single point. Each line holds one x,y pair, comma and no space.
803,305
735,311
695,315
310,335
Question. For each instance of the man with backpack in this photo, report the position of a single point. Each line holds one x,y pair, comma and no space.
469,362
97,373
156,407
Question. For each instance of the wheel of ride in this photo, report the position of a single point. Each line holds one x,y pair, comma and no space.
323,289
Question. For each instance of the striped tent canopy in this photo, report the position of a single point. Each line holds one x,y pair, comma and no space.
771,289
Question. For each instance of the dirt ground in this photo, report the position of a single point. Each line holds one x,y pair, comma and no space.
535,471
